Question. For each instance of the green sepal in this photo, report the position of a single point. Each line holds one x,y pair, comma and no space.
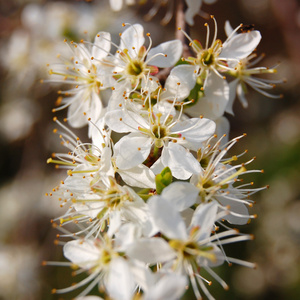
196,93
163,179
182,62
145,194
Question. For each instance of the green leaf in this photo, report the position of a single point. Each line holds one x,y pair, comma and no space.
163,179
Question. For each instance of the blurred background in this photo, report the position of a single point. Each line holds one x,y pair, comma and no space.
32,34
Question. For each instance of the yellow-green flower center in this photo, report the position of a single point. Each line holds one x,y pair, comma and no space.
135,67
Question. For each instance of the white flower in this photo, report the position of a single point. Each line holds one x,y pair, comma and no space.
87,162
159,129
186,249
107,203
244,73
214,57
83,160
86,73
106,268
218,181
133,61
206,71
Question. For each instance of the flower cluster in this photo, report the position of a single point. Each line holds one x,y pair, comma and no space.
150,200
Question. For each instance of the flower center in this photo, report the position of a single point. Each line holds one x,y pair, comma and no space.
106,257
207,57
135,67
159,131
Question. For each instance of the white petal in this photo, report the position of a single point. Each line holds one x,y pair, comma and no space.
183,74
83,55
213,104
228,28
124,121
180,194
236,207
76,183
132,37
126,235
102,45
232,93
143,275
76,118
157,167
169,287
120,283
167,218
100,134
149,84
241,95
223,127
132,150
151,251
205,217
217,253
187,216
241,45
83,253
90,210
181,162
139,176
194,131
95,107
165,108
192,9
173,50
114,222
